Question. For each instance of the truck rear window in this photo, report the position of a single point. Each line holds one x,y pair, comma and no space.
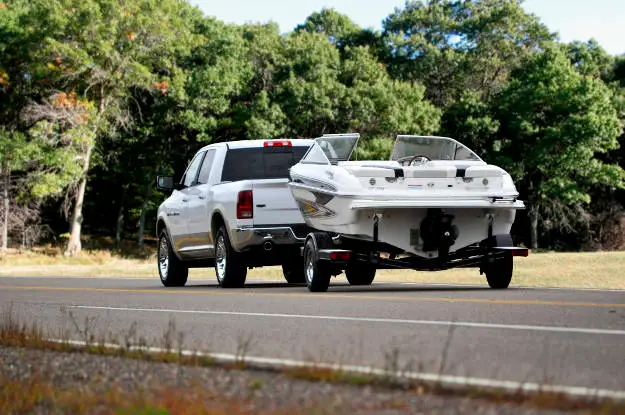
261,162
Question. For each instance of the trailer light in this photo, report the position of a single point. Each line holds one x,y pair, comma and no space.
278,143
340,256
523,252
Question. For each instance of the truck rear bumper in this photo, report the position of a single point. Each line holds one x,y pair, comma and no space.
245,238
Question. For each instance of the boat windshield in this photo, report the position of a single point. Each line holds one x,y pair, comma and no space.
331,148
434,148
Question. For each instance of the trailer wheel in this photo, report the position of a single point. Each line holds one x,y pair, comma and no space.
360,273
317,272
294,272
499,272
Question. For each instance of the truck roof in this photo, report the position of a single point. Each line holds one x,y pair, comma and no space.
261,143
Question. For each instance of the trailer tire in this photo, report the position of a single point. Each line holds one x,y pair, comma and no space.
317,273
499,272
360,273
229,267
294,272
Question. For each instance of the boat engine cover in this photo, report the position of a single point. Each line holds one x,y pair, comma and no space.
438,232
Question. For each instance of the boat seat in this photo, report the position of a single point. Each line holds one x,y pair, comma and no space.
370,171
430,172
483,171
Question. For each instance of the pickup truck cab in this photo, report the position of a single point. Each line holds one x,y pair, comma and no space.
232,210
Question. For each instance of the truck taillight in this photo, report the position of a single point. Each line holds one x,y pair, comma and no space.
278,143
245,205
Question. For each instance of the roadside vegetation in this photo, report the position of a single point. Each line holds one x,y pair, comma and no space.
541,269
35,386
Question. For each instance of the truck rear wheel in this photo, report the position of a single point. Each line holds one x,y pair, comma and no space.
229,267
499,271
360,273
316,271
171,270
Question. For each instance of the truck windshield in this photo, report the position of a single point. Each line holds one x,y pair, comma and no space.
261,162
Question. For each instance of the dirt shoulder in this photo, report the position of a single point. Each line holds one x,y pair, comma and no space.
41,381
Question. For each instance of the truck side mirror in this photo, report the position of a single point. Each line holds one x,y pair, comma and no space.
165,183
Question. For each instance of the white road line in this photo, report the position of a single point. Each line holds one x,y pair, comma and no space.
368,320
444,380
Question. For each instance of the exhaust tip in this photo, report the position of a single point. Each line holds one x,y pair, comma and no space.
268,246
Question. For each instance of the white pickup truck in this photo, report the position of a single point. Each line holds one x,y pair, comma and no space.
232,210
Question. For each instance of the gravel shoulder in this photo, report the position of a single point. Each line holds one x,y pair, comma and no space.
89,379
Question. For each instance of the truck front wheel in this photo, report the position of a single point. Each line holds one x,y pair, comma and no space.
229,267
172,271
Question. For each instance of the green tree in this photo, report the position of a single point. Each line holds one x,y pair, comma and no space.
379,107
308,88
589,58
470,120
255,113
341,30
103,50
453,46
554,125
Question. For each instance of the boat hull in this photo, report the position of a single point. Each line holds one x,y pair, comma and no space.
400,219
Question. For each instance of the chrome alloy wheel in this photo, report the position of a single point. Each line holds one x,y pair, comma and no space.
220,258
163,258
310,266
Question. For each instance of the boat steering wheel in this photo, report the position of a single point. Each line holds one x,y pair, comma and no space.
422,160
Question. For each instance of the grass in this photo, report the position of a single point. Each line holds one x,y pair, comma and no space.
575,270
322,374
36,394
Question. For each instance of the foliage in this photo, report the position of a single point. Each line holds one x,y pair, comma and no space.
555,121
454,46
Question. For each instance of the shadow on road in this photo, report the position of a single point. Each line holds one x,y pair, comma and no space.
402,288
345,287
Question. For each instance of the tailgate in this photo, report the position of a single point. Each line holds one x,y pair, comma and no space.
274,204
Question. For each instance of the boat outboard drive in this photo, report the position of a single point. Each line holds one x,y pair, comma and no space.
438,232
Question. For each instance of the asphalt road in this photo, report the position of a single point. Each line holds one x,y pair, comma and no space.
552,336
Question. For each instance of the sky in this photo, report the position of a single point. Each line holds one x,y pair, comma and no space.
603,20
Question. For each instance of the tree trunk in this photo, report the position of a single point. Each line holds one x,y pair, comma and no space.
119,224
5,220
144,207
74,245
533,216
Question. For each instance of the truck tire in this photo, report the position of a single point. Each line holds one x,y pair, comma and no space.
499,272
172,271
293,271
317,272
360,273
229,267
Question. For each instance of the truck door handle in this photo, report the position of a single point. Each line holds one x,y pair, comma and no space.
201,197
261,206
185,200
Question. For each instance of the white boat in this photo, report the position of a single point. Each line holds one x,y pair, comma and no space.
434,200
